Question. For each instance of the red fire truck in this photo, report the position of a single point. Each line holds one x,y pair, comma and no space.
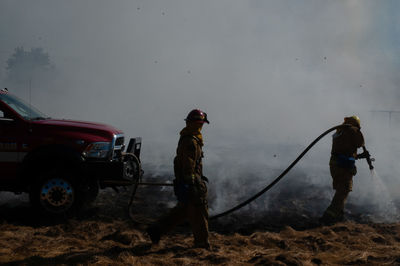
61,163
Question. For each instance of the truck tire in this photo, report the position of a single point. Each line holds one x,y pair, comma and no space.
56,192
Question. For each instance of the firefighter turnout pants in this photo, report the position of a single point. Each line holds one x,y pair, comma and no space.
343,183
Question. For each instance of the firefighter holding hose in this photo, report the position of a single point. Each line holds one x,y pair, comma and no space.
189,185
345,143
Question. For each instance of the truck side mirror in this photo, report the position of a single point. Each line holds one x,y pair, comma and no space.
4,118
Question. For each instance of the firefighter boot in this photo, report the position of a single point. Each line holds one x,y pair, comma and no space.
205,245
330,218
154,234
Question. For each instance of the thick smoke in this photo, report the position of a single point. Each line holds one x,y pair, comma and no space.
272,75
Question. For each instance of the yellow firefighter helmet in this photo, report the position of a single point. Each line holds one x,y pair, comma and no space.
353,120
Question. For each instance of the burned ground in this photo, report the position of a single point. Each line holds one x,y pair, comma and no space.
284,233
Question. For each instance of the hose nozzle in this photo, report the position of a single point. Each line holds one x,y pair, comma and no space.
367,157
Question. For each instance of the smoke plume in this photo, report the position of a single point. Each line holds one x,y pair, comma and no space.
272,76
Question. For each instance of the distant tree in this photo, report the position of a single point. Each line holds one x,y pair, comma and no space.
24,65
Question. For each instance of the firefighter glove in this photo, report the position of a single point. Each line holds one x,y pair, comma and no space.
363,155
182,190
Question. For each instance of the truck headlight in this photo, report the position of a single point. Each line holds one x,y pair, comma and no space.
97,150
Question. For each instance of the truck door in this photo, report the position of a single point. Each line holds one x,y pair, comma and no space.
9,147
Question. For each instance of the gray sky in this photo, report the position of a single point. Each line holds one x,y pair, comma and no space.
267,72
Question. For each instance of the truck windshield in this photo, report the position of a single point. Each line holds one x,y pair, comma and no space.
23,109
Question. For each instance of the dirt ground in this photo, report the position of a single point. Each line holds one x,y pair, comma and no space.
105,235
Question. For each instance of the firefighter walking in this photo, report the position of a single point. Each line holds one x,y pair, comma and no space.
345,143
189,185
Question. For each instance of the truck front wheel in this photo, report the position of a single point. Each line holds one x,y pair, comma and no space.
56,193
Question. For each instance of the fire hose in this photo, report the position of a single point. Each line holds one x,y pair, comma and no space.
273,183
277,179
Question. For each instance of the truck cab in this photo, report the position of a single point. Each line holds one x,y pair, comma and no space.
61,163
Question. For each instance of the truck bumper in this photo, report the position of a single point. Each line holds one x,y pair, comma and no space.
112,174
